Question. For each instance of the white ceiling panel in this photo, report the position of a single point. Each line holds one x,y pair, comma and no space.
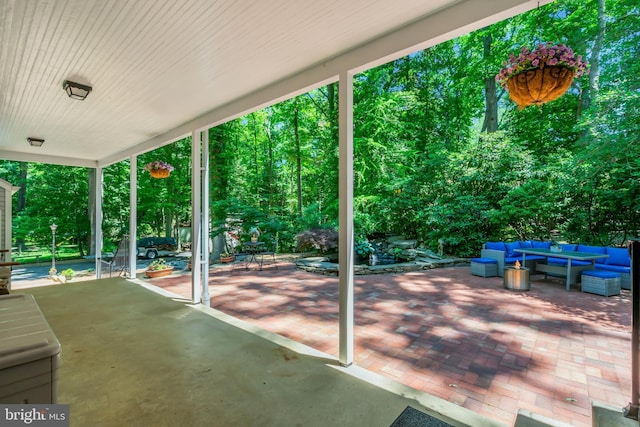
157,65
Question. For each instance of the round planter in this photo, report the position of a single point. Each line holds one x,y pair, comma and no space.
227,259
536,87
159,273
159,173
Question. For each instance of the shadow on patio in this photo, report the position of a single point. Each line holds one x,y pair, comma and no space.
450,334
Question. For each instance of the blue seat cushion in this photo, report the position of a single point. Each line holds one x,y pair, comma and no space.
540,245
535,257
510,247
562,261
616,268
512,259
495,245
593,250
618,256
484,260
601,274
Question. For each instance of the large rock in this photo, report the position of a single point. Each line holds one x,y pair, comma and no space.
404,244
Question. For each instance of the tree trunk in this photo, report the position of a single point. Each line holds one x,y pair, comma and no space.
22,183
591,91
270,169
296,113
491,100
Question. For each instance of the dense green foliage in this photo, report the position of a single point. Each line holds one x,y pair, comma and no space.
441,153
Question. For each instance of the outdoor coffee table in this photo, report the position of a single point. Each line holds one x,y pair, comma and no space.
561,270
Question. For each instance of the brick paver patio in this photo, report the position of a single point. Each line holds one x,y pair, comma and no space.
450,334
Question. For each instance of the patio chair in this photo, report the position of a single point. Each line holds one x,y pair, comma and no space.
268,251
240,259
120,259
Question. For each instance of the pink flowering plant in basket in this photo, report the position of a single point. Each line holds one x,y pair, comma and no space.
558,55
158,165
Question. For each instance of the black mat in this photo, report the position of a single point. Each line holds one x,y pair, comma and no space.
411,417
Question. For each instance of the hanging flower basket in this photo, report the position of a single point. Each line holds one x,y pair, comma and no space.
542,75
159,169
539,86
159,173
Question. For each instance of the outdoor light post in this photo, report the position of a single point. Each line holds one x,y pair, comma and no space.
53,246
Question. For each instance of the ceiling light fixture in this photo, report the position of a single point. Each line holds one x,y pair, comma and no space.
35,142
76,90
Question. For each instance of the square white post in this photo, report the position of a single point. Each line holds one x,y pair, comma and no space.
196,185
133,215
345,194
204,226
98,220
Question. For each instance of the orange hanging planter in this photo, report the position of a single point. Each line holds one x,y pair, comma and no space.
158,169
542,75
159,173
536,87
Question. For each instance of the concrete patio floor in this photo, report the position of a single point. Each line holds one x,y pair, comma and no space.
447,333
136,357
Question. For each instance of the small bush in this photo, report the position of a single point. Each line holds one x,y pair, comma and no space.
320,239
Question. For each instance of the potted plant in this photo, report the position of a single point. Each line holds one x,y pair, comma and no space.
158,268
254,232
68,274
542,75
226,257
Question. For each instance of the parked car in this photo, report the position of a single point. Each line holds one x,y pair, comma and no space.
153,247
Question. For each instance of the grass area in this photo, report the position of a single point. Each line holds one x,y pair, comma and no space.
35,254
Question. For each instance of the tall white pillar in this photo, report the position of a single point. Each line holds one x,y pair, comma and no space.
133,215
98,182
196,185
345,194
204,226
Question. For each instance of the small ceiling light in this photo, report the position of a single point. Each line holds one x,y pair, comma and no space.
76,90
35,142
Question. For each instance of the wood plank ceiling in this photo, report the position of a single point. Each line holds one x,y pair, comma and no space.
156,65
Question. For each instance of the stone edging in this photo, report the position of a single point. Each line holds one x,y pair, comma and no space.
321,265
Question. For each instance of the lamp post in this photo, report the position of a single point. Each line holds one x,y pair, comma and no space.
53,246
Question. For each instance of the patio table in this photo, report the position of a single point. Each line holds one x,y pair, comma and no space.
568,255
253,249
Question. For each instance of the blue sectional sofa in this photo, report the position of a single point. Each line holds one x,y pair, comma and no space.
618,260
503,253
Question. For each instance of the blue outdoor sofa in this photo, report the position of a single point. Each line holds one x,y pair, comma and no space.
618,260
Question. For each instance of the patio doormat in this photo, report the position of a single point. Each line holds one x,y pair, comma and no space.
411,417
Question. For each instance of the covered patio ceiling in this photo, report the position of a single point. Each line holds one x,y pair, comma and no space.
160,69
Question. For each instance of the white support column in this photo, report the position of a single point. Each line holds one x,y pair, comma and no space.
206,298
98,221
133,215
196,185
345,194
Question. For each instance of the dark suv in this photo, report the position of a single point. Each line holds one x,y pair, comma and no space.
152,247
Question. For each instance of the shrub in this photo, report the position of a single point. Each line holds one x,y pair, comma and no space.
321,239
